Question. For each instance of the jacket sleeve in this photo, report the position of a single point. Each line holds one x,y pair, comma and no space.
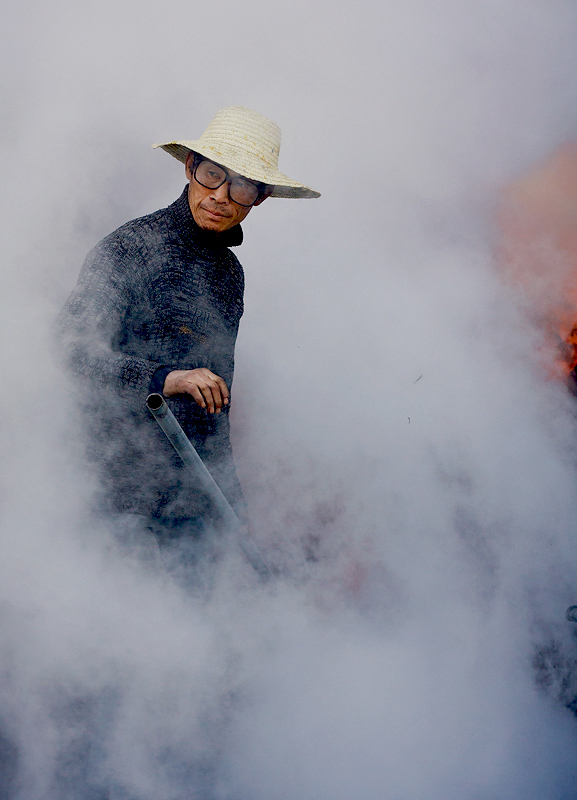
93,319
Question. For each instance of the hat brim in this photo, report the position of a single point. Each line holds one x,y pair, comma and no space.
243,164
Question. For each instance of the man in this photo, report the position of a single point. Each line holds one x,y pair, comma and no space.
156,309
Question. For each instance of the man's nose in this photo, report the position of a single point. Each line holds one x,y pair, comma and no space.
220,194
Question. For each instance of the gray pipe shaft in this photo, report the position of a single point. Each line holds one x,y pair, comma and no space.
181,443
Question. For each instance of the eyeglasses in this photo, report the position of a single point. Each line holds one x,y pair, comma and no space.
240,190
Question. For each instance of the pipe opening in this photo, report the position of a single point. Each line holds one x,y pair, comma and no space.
154,401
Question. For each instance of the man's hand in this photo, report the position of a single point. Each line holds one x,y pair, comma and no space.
208,389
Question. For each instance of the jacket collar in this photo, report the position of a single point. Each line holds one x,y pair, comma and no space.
192,234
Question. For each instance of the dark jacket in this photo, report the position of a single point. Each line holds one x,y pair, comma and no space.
157,294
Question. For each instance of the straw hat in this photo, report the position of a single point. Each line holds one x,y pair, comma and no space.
246,142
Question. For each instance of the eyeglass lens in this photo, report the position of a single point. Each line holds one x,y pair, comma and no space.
241,190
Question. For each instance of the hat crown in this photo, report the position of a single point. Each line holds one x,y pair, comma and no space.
241,129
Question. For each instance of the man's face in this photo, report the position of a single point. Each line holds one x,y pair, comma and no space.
212,209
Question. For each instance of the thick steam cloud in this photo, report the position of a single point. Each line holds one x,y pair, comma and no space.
408,463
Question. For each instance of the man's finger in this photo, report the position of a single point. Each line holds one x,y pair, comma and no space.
223,390
218,388
219,391
212,395
207,397
197,395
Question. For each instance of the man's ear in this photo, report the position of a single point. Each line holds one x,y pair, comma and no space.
267,193
189,165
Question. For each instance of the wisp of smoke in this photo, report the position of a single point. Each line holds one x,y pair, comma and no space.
409,468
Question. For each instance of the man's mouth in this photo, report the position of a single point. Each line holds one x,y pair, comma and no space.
215,213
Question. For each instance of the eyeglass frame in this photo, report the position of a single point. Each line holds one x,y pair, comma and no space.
261,187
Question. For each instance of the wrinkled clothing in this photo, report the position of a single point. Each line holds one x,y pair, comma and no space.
155,295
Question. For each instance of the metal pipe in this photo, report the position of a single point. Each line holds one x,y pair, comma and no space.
157,406
179,440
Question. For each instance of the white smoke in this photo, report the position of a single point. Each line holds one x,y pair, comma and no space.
408,468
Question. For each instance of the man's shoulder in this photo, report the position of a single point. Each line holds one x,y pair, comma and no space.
141,231
124,253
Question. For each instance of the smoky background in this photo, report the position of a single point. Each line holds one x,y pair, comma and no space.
409,469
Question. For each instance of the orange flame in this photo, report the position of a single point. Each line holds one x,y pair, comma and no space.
538,224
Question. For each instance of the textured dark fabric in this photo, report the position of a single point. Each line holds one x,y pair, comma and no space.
156,384
157,294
